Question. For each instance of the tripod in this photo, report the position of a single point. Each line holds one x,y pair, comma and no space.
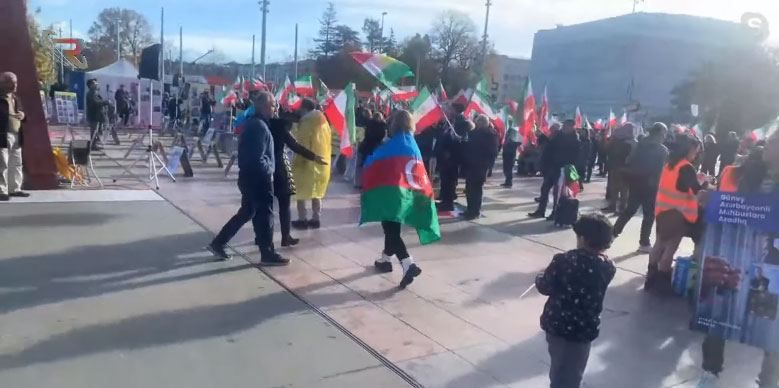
155,163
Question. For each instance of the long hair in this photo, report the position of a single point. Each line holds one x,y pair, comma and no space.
401,121
751,172
680,148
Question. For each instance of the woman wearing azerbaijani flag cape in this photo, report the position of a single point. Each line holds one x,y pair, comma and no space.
397,191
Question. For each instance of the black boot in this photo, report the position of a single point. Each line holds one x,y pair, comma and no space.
651,277
269,258
289,241
663,285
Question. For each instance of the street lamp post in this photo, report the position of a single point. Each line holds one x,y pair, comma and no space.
264,10
381,34
484,38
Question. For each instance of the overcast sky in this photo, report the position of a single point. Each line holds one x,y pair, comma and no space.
228,25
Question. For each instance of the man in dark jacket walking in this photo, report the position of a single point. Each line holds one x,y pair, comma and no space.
96,114
257,164
449,156
480,153
510,146
562,150
642,175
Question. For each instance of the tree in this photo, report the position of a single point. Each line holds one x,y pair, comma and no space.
327,25
736,92
43,47
417,53
134,33
372,30
346,39
390,46
455,42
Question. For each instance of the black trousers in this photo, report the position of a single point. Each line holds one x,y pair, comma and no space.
449,178
550,182
588,173
569,360
714,361
640,195
474,190
393,243
125,116
257,207
509,159
285,214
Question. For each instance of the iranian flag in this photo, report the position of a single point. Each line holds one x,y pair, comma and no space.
479,105
599,124
612,119
389,71
512,105
340,113
624,119
766,131
294,102
282,95
587,124
404,93
442,93
238,83
544,119
529,110
426,111
578,120
304,86
462,97
229,98
323,94
501,122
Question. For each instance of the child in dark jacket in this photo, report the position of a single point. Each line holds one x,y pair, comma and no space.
576,283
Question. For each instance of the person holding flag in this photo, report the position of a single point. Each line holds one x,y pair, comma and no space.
510,146
396,190
481,150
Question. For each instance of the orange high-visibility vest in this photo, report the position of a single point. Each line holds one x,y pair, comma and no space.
728,182
669,198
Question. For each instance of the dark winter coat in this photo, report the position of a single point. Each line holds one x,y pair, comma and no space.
283,182
4,121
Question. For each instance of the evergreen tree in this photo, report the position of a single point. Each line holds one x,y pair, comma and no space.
372,30
390,46
346,39
327,32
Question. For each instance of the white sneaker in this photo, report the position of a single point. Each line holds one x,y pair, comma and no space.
646,249
708,380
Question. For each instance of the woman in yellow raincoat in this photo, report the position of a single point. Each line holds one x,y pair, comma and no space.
311,179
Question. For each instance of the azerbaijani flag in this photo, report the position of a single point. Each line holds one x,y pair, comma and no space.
426,111
387,70
396,187
340,113
304,86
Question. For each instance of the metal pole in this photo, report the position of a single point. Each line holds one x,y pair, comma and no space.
419,74
162,64
70,22
62,61
484,38
264,10
181,53
253,67
381,33
296,51
118,42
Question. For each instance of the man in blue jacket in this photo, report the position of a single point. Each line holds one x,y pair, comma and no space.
256,162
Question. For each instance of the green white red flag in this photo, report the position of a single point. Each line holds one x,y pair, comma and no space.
340,113
612,120
323,94
426,110
544,119
282,95
304,86
578,120
766,131
389,71
442,93
529,116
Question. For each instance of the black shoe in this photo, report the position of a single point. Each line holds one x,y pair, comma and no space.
19,194
551,217
289,241
300,224
383,266
408,277
608,209
506,185
537,199
444,208
273,260
470,216
4,198
313,224
218,252
536,214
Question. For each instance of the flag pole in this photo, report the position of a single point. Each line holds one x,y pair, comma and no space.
253,64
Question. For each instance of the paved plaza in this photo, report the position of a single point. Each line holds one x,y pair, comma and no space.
118,289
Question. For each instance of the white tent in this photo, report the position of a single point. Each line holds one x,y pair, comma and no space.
123,72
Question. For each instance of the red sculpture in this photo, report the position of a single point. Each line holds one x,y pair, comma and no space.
40,171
